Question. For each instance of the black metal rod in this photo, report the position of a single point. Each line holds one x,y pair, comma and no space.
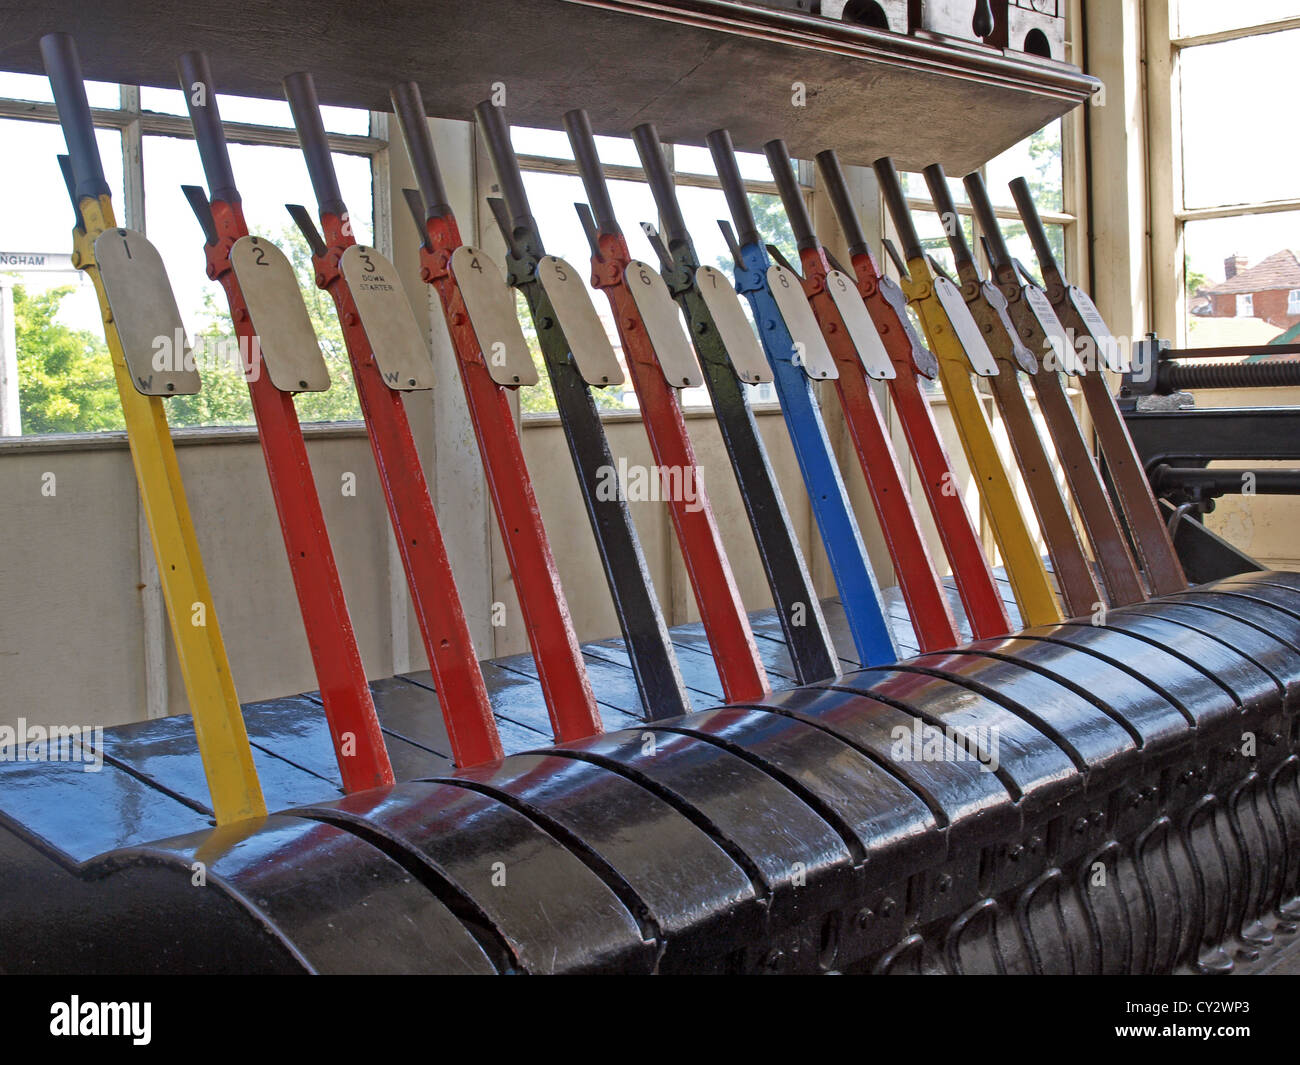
496,132
1273,373
59,54
300,91
409,107
828,163
796,210
1034,227
733,186
651,151
891,189
1218,482
200,93
987,219
578,126
948,216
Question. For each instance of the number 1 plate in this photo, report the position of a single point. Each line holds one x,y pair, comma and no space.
390,325
290,350
588,342
663,325
862,330
144,311
490,303
738,337
810,347
965,329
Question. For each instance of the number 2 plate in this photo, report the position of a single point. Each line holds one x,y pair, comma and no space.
390,325
290,351
862,330
145,313
490,303
663,325
738,337
810,347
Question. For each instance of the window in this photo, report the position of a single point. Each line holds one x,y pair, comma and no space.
1293,301
57,355
1235,198
553,186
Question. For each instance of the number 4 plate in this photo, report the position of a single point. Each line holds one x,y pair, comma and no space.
145,313
290,350
390,325
490,303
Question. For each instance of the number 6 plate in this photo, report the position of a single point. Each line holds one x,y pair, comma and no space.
390,326
490,303
290,350
663,325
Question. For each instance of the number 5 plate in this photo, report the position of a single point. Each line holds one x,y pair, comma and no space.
390,326
490,303
663,325
145,313
290,350
587,339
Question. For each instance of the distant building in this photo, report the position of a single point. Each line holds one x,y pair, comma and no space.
1269,290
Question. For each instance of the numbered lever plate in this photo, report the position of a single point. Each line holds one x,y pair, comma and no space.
737,335
588,342
663,325
144,310
490,303
290,350
390,325
963,325
862,330
1107,348
1067,358
810,347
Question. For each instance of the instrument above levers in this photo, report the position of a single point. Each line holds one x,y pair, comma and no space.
284,358
798,357
887,305
1073,569
389,358
731,358
1150,535
660,361
578,357
957,342
493,358
1032,315
860,357
137,305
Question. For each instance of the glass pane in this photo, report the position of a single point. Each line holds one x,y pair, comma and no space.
693,159
551,143
1234,150
1210,16
259,112
1019,245
1247,255
65,377
268,178
934,240
1037,159
37,87
916,187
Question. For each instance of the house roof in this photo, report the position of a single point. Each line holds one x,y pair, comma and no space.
1279,270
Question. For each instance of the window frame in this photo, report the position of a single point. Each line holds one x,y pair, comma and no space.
135,123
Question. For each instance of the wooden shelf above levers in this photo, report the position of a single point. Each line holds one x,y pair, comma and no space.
689,66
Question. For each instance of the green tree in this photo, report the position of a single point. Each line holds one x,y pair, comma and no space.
65,375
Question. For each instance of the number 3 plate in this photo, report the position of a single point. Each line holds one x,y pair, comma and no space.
390,325
290,350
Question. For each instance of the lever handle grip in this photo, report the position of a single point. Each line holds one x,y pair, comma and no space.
891,189
200,94
651,151
496,133
943,203
988,220
1034,227
300,91
419,146
578,126
828,164
733,186
796,210
59,53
